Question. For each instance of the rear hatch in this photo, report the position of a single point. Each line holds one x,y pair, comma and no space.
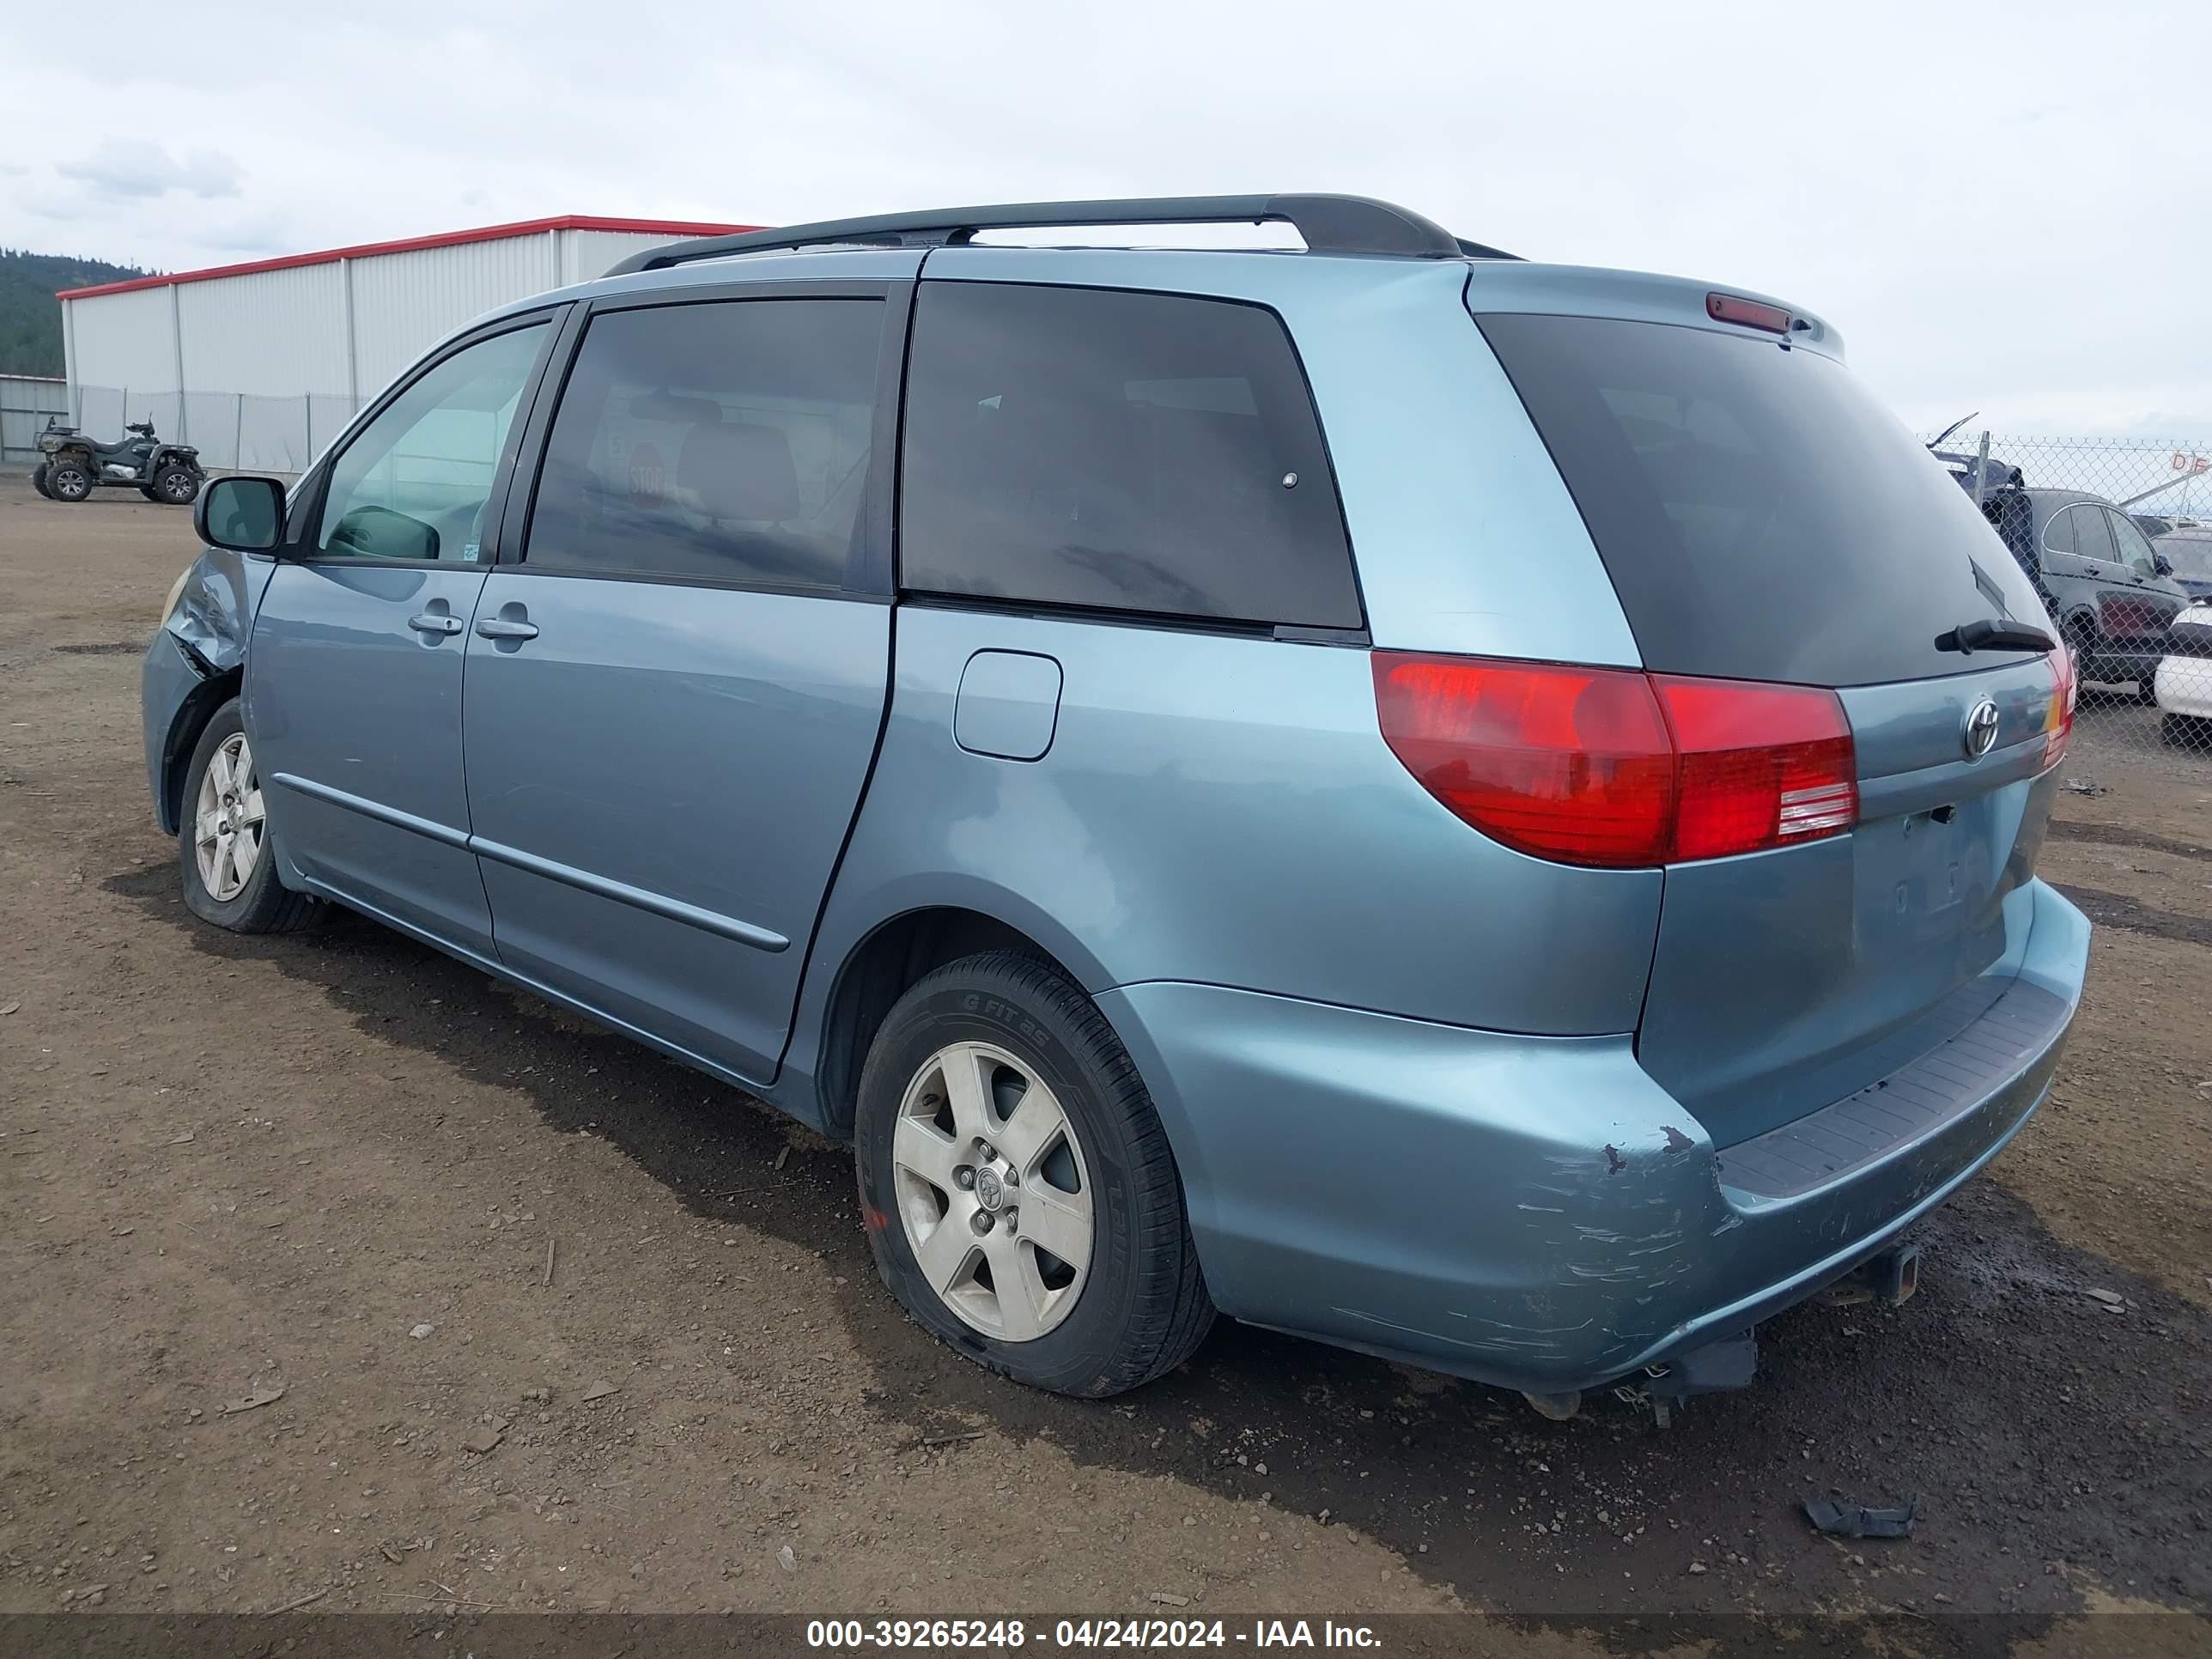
1764,519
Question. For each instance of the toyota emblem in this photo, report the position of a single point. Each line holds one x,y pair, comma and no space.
1981,729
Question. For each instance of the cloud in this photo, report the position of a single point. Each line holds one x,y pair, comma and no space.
58,205
1990,231
248,234
134,169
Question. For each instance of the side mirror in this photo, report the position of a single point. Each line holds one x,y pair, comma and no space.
245,514
2164,564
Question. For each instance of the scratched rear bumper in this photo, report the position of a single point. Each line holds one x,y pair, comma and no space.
1534,1212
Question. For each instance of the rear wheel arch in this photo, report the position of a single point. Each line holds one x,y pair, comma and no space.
880,968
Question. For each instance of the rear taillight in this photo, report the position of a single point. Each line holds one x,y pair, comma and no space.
1615,768
2058,715
1760,765
1567,764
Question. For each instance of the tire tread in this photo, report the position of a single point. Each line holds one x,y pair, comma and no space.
1172,1313
268,906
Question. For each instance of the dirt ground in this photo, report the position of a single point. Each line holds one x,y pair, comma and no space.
439,1216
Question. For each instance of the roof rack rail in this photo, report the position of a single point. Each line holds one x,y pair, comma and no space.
1329,224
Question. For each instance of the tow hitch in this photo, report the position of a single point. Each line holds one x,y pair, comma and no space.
1890,1279
1730,1363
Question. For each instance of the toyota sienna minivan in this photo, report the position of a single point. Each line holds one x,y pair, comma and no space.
1481,812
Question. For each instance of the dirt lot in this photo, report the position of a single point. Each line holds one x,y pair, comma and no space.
336,1165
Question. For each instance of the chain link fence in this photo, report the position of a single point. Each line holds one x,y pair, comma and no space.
2116,534
234,431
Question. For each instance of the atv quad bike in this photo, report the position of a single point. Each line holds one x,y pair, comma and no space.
72,464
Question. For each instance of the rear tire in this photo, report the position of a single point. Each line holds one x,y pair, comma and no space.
946,1158
68,481
223,851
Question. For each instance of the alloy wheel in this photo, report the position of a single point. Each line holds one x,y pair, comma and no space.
230,822
993,1191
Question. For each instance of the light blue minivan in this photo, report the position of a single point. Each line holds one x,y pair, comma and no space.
1481,812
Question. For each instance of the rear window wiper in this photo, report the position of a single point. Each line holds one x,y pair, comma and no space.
1995,635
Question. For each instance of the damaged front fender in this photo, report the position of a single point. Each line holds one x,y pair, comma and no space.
194,665
214,610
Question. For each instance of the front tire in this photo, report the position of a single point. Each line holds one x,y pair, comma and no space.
176,485
223,855
39,478
68,481
1021,1199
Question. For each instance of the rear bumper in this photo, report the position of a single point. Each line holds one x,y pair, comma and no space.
2118,661
2184,686
1537,1212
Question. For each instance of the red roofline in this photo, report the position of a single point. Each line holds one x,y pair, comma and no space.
412,245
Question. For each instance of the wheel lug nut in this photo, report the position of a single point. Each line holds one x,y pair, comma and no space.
1010,1178
980,1221
964,1178
990,1152
1010,1216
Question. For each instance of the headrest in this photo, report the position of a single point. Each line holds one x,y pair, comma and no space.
741,472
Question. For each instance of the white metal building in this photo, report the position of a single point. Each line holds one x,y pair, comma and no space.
260,364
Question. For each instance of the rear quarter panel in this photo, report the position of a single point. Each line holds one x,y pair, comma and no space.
1223,810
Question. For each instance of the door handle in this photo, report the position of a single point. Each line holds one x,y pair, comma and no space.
505,628
429,622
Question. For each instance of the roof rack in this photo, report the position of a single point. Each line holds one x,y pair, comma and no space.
1328,224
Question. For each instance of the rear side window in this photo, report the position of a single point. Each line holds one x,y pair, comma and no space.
2059,534
1125,451
1761,515
726,442
2093,537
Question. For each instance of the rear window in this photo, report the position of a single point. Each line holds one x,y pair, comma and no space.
1116,450
1761,515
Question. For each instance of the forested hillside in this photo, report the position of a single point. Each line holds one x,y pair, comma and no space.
30,319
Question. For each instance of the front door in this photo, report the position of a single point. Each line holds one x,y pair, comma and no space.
674,696
352,676
2159,599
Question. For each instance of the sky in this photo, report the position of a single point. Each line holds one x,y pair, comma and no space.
2004,209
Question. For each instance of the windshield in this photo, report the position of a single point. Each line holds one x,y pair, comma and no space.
1762,515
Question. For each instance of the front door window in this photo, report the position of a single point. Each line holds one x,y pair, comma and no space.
2135,549
413,483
